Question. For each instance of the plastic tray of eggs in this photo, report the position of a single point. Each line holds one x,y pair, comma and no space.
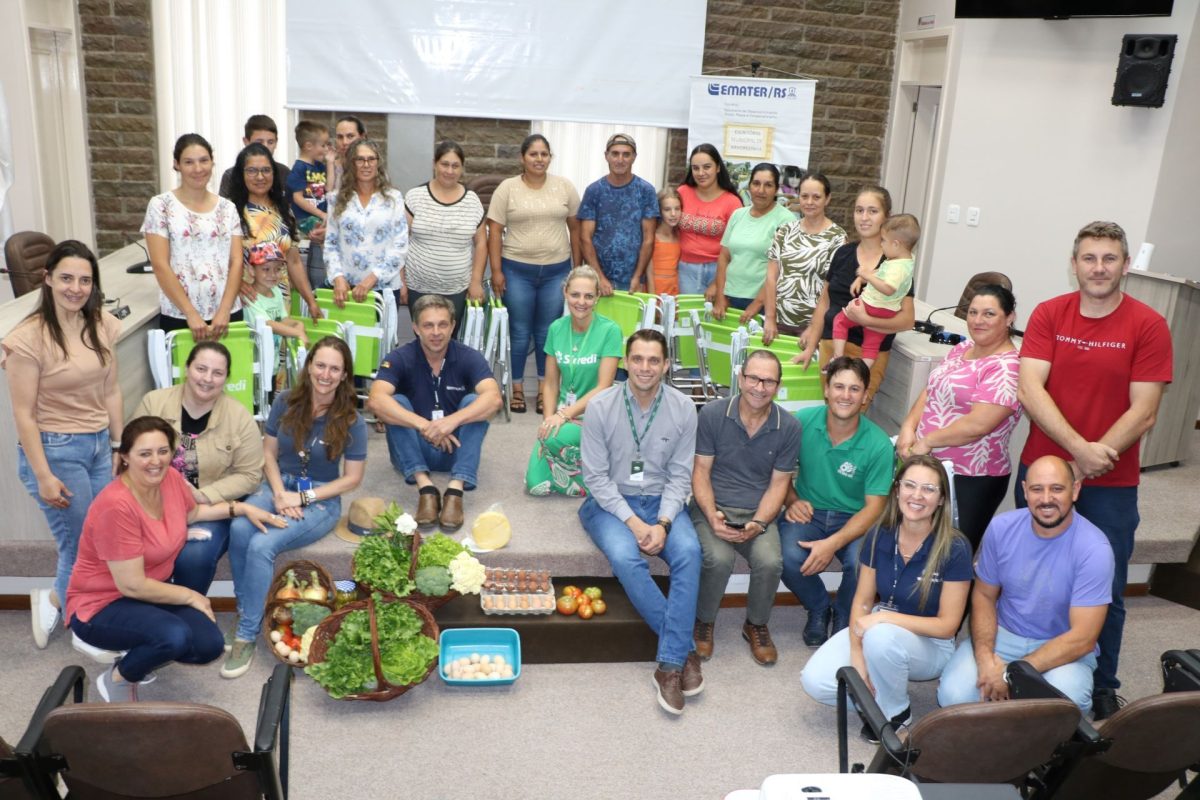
517,591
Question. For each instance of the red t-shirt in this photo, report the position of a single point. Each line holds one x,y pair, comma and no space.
117,528
1093,361
702,224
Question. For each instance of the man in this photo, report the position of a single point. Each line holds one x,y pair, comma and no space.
845,473
746,449
435,396
1094,364
619,213
637,445
348,130
1043,580
260,129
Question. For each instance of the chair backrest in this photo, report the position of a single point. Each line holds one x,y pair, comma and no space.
178,750
799,389
25,254
369,332
246,380
716,339
485,187
623,308
977,280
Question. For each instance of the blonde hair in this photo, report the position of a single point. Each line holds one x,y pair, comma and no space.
585,272
665,194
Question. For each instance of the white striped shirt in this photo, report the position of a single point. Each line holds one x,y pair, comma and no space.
441,239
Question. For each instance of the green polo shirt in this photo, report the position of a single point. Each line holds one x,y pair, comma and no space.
840,478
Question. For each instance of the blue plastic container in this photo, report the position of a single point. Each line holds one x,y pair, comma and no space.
456,643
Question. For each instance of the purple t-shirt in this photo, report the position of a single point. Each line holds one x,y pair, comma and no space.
1041,579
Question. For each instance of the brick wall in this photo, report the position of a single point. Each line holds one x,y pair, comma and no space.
376,125
118,74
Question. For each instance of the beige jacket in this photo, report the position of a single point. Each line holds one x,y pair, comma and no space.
229,452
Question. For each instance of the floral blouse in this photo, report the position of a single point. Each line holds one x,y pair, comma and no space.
200,246
371,239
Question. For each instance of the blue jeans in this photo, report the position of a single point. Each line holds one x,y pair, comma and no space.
252,553
958,679
533,295
197,562
1114,510
154,634
410,453
894,656
83,462
671,617
810,589
695,278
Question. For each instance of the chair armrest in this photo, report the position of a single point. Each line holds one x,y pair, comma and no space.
1181,670
70,681
274,715
850,681
1026,683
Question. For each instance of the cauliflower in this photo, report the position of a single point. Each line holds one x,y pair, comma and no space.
306,642
467,574
405,523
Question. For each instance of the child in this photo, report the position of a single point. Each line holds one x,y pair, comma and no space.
306,189
885,287
267,265
664,261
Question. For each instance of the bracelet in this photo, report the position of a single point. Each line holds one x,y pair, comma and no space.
303,499
563,414
232,509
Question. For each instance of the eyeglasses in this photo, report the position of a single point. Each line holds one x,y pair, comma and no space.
754,380
259,172
921,488
363,161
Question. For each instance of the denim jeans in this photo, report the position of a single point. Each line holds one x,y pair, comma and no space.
83,462
197,562
1114,510
761,553
810,589
533,295
316,266
154,634
671,617
695,278
252,553
894,656
958,679
410,453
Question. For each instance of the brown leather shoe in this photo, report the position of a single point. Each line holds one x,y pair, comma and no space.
693,681
429,504
703,636
452,511
761,646
670,690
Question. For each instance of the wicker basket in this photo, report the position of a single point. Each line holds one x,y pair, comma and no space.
327,631
367,589
432,602
303,569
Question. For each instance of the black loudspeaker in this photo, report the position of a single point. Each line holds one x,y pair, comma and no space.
1142,69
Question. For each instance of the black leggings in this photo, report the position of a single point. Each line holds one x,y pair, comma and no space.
978,498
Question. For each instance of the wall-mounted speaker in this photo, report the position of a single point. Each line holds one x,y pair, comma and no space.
1143,68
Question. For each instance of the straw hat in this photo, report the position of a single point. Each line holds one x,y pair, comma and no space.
360,519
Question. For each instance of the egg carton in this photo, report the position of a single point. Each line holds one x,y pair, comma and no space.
517,591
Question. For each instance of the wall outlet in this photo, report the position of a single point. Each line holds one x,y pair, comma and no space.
952,213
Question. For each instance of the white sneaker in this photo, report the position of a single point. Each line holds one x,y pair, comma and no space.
95,653
45,616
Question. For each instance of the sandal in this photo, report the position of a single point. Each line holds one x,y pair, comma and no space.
538,405
516,403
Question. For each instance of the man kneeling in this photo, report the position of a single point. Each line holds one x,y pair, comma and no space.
639,438
1043,582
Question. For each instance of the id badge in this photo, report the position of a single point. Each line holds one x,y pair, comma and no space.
303,484
437,414
637,471
571,398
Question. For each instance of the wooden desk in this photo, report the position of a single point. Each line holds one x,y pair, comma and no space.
140,292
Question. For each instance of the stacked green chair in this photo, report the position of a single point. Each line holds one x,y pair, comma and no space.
497,352
717,343
630,312
252,351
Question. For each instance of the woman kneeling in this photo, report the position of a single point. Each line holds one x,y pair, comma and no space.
921,568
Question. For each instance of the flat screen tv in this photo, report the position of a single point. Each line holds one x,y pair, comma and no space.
1060,9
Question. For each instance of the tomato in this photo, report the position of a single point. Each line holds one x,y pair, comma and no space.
585,611
599,606
583,600
569,591
593,592
566,605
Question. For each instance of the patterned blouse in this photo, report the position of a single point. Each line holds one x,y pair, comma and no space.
954,386
803,261
199,246
371,239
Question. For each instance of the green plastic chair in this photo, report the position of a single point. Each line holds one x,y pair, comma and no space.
366,337
718,342
798,388
245,381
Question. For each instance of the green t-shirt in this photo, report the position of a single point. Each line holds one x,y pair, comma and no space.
748,238
840,478
271,308
578,354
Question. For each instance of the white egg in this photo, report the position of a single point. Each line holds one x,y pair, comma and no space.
485,659
474,658
498,661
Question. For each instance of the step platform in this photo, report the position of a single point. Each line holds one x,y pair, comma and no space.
619,635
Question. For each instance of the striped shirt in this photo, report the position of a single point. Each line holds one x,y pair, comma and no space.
440,241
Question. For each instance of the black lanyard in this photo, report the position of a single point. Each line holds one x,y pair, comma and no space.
437,385
305,454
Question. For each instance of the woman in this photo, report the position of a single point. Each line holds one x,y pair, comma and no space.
967,412
742,264
872,207
367,234
584,348
316,451
194,239
798,260
256,190
709,199
62,378
447,245
533,242
220,453
119,597
921,569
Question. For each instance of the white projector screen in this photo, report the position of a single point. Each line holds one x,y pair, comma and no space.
581,60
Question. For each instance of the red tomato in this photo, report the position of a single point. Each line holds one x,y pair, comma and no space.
569,591
599,606
566,605
583,600
585,611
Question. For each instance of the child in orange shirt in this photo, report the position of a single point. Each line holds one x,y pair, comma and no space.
664,261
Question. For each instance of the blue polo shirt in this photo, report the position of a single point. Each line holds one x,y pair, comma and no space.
840,478
899,584
407,369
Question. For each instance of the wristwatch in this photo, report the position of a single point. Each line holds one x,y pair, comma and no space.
762,526
308,497
666,524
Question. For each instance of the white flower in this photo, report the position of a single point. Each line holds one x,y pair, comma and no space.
405,523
